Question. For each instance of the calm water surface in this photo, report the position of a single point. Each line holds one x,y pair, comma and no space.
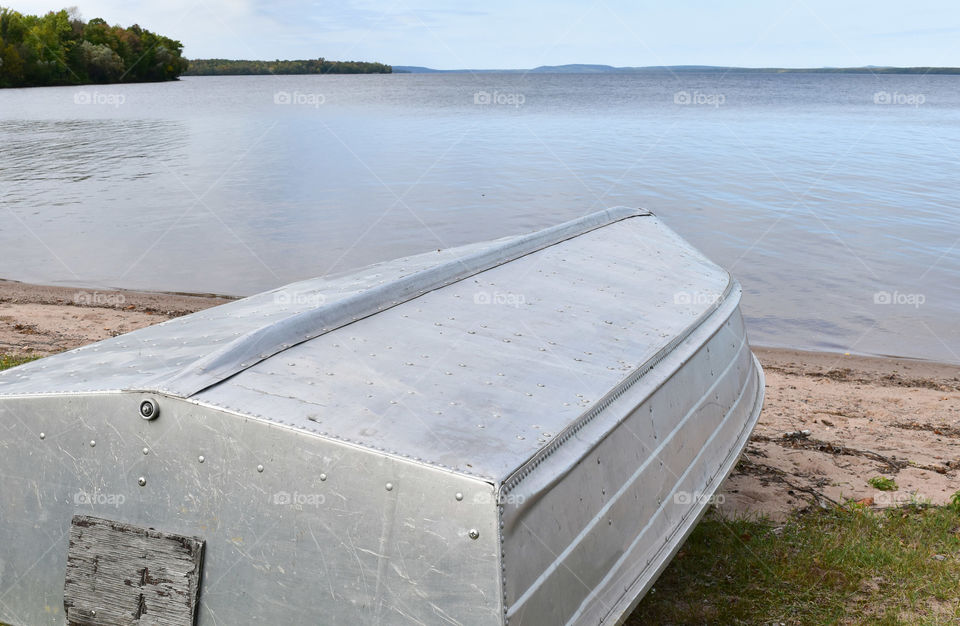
833,198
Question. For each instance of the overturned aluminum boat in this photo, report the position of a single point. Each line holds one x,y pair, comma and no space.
519,431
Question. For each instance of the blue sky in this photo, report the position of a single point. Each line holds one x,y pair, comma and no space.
522,34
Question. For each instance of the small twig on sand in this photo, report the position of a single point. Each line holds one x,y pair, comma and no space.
781,476
807,443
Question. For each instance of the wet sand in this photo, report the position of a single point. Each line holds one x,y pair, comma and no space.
830,421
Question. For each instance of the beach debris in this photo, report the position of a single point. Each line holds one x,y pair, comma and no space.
796,434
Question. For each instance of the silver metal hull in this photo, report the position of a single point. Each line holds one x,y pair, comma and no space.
443,459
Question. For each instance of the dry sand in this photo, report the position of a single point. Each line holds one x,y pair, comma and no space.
42,320
866,417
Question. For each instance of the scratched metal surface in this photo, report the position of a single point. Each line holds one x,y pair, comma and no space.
316,537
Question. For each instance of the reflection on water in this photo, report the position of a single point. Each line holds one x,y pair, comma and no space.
835,209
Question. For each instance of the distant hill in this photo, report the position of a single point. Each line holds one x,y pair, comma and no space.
579,68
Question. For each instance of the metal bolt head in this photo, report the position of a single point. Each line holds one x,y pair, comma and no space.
201,459
146,450
93,444
141,481
459,496
474,533
389,486
149,409
323,476
260,468
43,435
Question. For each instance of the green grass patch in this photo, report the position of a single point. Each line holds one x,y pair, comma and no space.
846,565
7,361
955,502
883,483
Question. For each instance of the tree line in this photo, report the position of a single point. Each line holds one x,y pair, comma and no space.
227,67
59,48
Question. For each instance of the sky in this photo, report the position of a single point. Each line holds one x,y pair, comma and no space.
514,34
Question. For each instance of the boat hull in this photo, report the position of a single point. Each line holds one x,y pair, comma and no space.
523,432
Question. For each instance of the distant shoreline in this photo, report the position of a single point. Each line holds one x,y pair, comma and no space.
238,67
681,69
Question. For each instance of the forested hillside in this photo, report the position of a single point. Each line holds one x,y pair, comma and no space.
59,48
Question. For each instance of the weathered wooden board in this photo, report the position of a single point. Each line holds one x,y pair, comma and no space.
120,574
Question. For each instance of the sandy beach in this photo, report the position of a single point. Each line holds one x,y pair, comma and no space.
830,421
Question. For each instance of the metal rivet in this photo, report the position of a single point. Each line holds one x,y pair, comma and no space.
474,533
323,476
141,481
43,435
201,459
146,450
259,468
149,409
93,444
459,496
389,486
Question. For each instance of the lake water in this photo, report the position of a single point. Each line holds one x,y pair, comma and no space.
833,198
